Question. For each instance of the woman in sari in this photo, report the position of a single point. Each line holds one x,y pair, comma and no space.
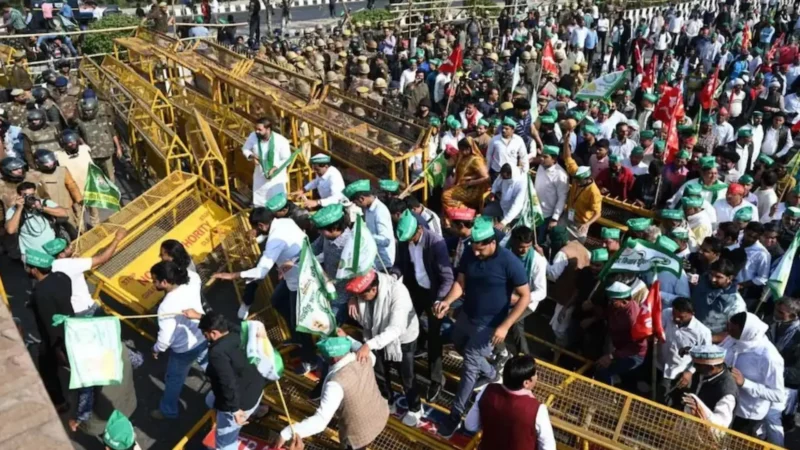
471,178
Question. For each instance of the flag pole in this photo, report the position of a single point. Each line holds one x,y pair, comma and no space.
653,367
81,219
285,408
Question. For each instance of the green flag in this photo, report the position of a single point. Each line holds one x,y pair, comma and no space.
436,172
94,349
532,214
638,255
780,274
100,192
314,293
259,350
359,253
603,87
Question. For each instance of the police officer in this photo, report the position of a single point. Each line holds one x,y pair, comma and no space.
41,97
74,83
361,79
99,134
393,100
18,77
67,102
18,109
49,81
38,134
56,183
378,91
13,171
76,157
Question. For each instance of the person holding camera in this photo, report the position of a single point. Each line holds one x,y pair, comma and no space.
30,218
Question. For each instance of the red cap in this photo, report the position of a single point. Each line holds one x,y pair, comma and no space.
360,284
736,189
723,111
451,150
460,213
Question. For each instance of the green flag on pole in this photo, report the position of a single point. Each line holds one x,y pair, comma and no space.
780,274
359,253
94,349
436,172
259,350
532,214
100,192
314,293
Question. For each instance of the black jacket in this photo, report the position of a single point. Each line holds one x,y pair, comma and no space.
51,296
236,383
435,259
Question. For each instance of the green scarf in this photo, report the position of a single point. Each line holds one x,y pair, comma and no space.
527,260
714,189
267,165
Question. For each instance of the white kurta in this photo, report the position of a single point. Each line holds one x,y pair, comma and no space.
264,189
726,212
330,187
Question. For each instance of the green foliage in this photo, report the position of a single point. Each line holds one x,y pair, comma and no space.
374,16
104,42
484,8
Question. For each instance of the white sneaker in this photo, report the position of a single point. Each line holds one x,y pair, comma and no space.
412,418
243,310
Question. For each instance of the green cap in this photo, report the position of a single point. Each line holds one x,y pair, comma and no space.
277,202
647,134
686,129
406,226
610,233
659,144
792,211
583,172
496,122
692,202
744,215
333,347
758,113
577,115
708,162
482,229
564,92
452,122
706,119
618,290
765,159
38,259
508,121
745,132
680,233
615,159
683,154
483,123
435,122
548,119
591,129
119,434
638,151
672,214
746,179
551,150
639,223
603,108
693,189
198,19
356,187
488,74
667,243
320,158
652,98
599,255
389,185
327,215
56,246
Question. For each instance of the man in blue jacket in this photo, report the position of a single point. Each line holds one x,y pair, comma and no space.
424,263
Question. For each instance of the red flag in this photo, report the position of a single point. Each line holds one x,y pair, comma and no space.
673,143
637,56
778,43
746,37
549,59
648,322
707,94
669,105
649,79
453,62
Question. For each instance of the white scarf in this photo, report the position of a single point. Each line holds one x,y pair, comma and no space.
377,318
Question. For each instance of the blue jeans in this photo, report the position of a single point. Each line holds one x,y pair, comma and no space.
227,435
178,366
474,343
618,367
285,302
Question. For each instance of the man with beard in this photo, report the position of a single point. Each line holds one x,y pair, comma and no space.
754,275
415,92
713,390
617,180
698,220
683,332
328,183
716,298
521,244
584,201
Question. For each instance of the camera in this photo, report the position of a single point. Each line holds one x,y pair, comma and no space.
31,202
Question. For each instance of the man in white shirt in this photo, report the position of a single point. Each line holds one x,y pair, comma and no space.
510,190
777,138
271,155
622,146
521,242
378,221
382,306
675,25
683,331
723,129
727,207
408,75
507,148
177,333
284,241
552,187
578,37
438,89
328,183
736,98
510,409
74,268
754,275
757,368
713,391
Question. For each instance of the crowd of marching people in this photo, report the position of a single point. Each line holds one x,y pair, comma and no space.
539,122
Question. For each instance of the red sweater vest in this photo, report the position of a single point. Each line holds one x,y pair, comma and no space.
508,420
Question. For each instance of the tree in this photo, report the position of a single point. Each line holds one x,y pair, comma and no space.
104,42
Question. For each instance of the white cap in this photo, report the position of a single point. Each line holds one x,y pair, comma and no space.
738,82
657,125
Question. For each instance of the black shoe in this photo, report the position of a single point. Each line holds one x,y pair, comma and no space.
501,360
316,393
482,382
434,390
448,427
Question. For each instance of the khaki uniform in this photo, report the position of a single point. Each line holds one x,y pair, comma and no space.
357,83
98,134
68,104
45,137
19,78
376,97
61,188
17,114
160,19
